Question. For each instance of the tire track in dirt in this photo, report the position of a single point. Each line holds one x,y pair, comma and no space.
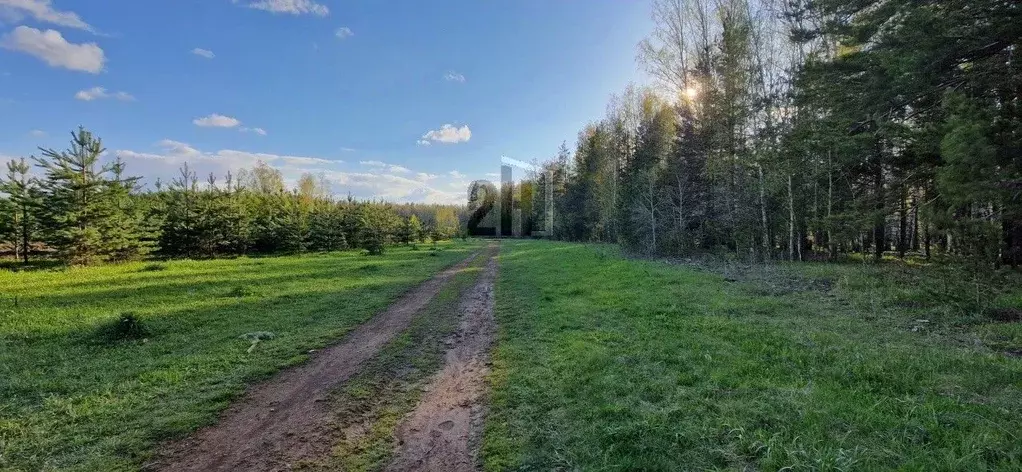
443,432
287,419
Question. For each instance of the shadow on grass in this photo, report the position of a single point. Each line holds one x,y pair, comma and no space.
32,266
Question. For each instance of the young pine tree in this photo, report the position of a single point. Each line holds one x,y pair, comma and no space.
326,227
122,226
447,224
73,192
23,196
415,229
376,226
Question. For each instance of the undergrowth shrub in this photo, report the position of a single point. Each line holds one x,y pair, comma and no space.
126,327
969,294
240,291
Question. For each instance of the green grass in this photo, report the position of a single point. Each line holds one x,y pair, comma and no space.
74,398
605,363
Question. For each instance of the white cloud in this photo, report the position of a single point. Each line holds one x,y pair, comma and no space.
203,53
292,7
216,120
448,133
172,154
388,167
98,93
52,48
344,32
394,188
253,157
423,142
452,76
457,175
43,11
379,183
177,148
259,131
37,133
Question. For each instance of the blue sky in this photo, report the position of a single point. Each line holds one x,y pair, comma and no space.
403,100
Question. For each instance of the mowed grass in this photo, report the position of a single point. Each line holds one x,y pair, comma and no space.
605,363
72,400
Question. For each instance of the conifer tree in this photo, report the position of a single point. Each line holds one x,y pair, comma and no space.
23,202
122,226
74,199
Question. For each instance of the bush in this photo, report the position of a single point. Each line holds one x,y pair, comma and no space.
374,246
127,327
240,291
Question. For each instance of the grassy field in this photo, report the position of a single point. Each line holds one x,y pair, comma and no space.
605,363
602,362
72,398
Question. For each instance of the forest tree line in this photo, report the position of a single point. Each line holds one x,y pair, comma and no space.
71,206
807,129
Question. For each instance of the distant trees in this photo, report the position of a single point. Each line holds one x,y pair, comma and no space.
82,210
810,129
446,223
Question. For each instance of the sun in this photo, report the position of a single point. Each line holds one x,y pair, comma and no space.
691,93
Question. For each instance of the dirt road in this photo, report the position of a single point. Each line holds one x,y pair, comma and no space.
443,432
287,418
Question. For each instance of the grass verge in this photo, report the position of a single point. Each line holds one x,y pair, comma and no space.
605,363
74,398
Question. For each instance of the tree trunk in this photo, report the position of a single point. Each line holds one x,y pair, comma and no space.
681,212
652,214
915,224
830,206
902,225
926,239
613,202
763,216
1012,232
24,233
791,221
17,245
879,228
